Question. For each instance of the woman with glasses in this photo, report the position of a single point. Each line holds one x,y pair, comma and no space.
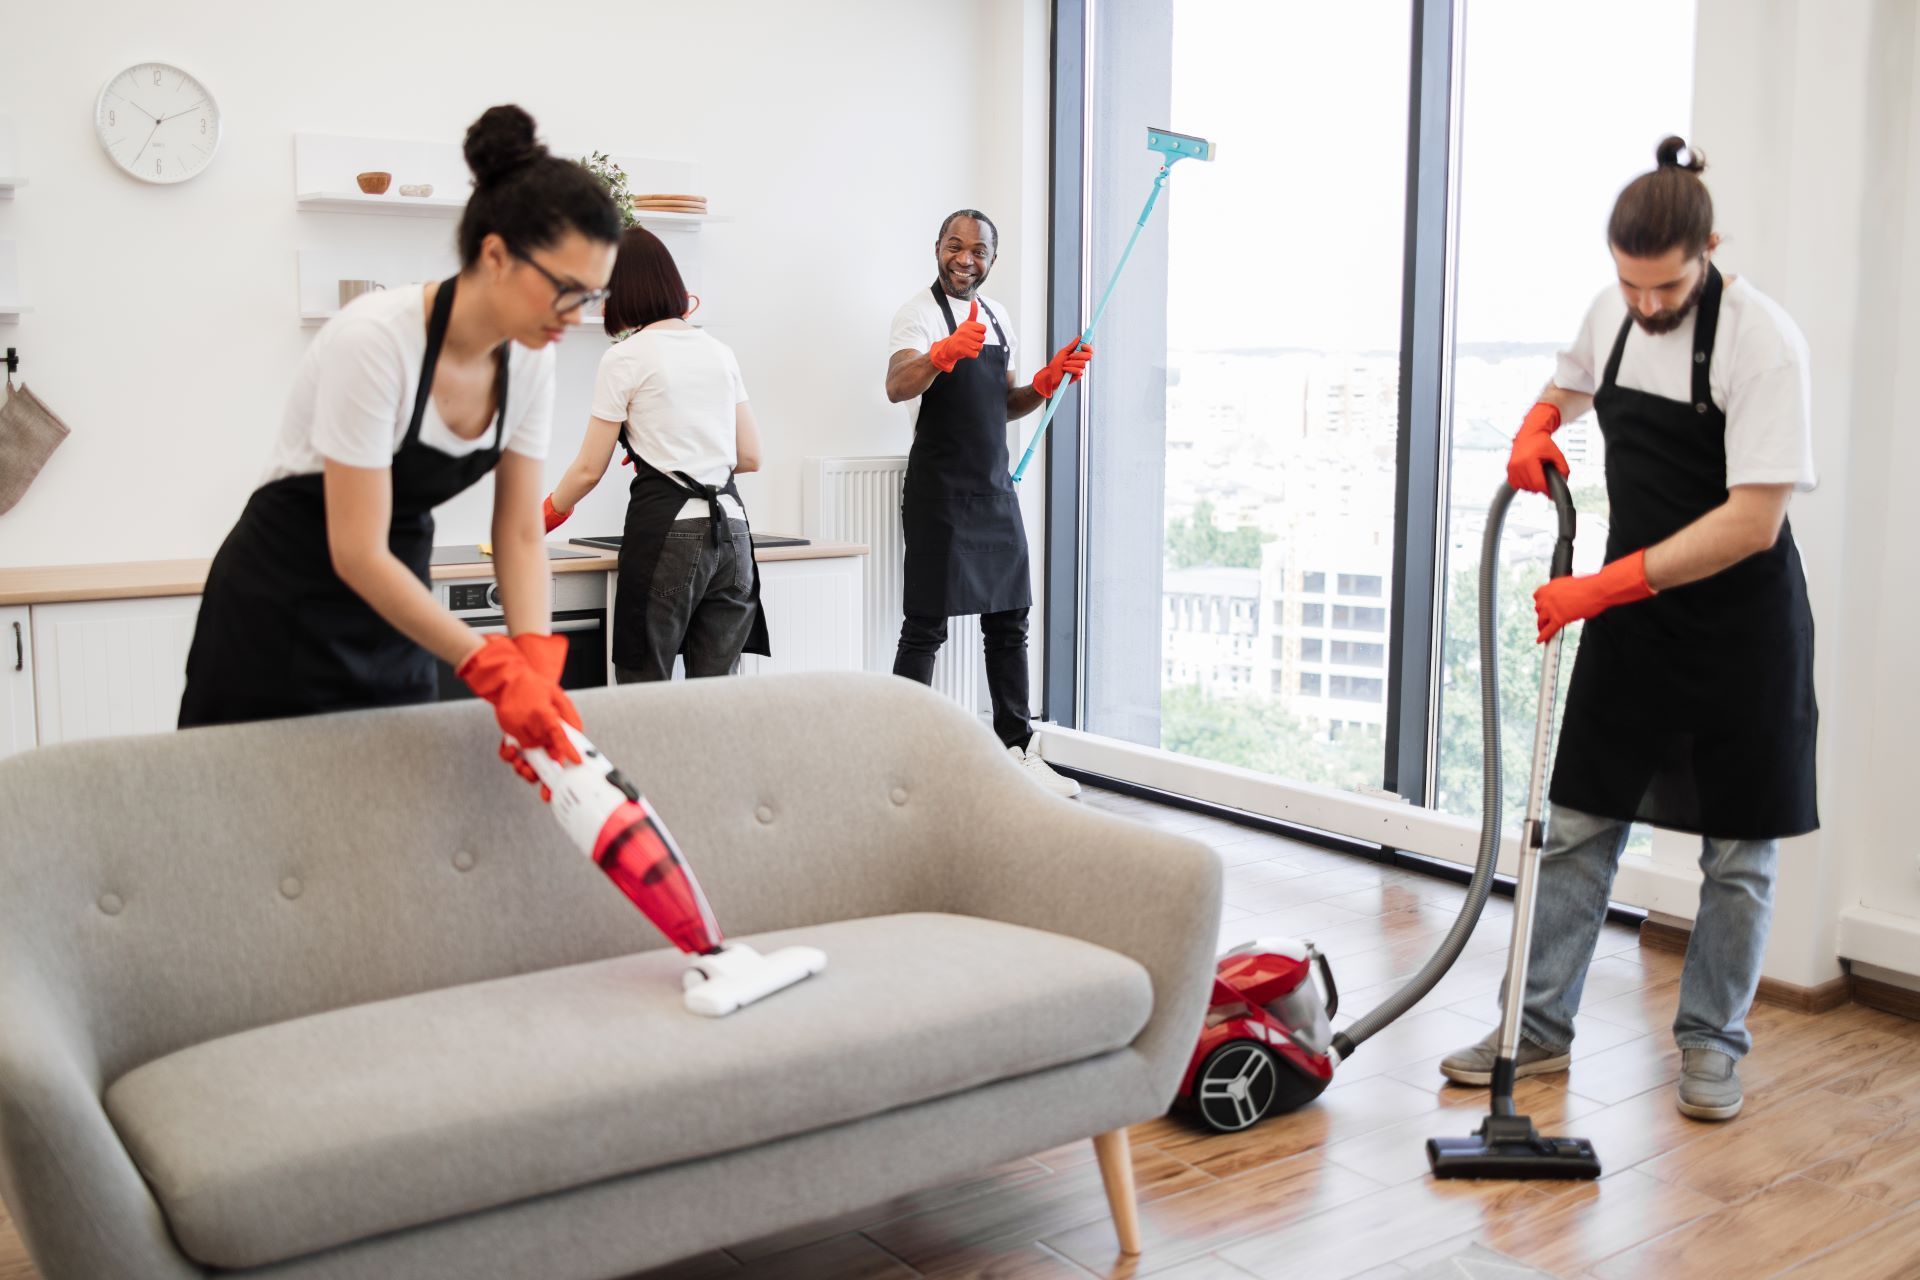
671,396
318,599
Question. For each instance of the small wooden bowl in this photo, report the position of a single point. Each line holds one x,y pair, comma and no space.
375,184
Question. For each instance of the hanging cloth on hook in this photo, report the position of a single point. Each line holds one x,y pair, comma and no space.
29,433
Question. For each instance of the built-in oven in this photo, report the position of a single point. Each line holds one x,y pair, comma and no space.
579,605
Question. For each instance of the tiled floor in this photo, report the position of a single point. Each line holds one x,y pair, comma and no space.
1819,1178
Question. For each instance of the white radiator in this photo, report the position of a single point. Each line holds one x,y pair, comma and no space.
858,500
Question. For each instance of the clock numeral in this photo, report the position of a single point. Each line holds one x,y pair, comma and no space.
111,122
156,75
203,126
156,166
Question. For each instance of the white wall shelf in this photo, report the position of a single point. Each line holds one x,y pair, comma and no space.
314,319
11,308
409,247
434,206
10,179
326,169
437,206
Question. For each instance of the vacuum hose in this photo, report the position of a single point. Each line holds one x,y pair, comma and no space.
1491,796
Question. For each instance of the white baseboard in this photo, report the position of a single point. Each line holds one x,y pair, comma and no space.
1888,942
1641,882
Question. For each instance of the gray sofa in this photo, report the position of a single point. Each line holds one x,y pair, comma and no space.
334,998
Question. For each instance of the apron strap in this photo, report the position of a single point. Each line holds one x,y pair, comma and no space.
1619,348
716,514
1706,322
940,296
436,338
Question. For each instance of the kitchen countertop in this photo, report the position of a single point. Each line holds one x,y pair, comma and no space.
138,579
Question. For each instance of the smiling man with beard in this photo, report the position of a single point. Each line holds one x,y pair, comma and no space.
1691,705
966,545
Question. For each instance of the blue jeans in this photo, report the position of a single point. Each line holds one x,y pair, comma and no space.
1729,937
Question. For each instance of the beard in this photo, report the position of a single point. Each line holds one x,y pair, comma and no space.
961,288
1669,320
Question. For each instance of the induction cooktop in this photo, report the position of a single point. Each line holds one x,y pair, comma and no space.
470,554
612,543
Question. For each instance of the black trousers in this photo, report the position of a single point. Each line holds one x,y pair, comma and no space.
1004,638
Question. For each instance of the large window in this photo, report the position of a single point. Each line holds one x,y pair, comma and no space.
1243,408
1541,139
1311,372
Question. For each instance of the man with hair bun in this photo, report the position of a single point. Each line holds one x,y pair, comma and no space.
1691,705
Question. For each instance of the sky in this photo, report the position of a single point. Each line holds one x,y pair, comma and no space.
1293,235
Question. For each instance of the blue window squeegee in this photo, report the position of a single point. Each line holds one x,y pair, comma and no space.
1175,147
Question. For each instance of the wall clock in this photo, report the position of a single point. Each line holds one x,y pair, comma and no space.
157,123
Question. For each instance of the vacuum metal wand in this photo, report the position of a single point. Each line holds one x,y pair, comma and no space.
1507,1145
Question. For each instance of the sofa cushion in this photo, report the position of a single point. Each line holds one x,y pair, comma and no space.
295,1137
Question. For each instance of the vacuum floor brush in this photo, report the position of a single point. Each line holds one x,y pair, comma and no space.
1506,1145
1175,147
608,820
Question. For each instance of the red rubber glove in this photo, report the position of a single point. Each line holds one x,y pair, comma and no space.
1069,362
547,655
963,343
520,677
1534,450
1589,595
552,514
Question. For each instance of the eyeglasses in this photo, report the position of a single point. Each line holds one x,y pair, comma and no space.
568,295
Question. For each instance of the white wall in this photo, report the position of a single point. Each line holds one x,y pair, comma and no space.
1810,117
165,327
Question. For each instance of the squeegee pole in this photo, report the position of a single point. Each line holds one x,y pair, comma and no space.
1086,334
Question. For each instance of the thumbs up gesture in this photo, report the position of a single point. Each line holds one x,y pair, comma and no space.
963,343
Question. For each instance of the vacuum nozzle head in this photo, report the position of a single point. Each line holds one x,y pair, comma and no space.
1178,146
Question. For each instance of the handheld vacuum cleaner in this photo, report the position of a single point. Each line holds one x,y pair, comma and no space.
1175,147
1268,1047
609,821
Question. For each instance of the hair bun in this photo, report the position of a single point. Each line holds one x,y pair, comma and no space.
1668,154
500,142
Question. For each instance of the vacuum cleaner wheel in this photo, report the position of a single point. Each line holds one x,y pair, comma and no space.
1237,1086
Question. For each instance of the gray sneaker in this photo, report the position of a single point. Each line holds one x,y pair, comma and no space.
1473,1065
1709,1085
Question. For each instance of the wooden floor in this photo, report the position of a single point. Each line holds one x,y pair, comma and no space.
1820,1177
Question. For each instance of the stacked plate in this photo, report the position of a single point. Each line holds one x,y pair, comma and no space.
664,203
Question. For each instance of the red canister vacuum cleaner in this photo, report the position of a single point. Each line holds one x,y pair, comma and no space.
609,821
1268,1046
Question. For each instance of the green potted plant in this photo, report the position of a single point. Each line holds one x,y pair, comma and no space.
614,179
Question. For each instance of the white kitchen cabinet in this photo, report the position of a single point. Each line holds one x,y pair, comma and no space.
815,617
104,668
16,681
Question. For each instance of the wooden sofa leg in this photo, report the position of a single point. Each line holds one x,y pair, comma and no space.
1116,1170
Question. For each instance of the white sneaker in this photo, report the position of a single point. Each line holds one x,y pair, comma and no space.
1028,758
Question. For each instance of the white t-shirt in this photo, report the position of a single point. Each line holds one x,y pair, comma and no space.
1757,376
352,395
677,392
919,324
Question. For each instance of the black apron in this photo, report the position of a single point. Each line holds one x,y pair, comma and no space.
1692,710
279,634
653,504
966,543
